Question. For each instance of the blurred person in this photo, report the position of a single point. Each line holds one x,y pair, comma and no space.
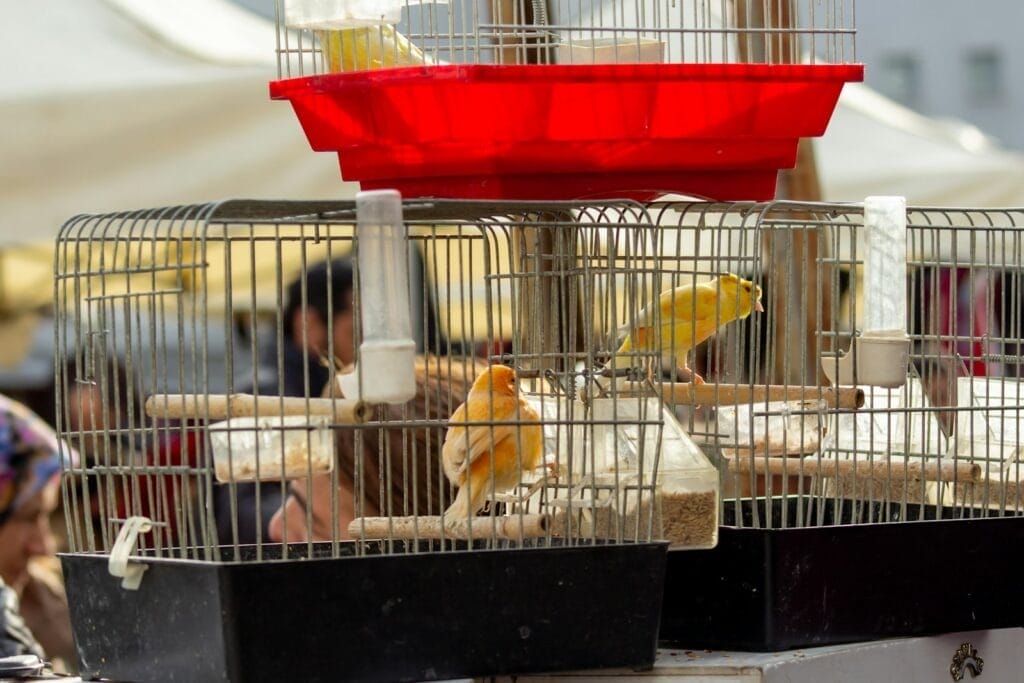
313,327
30,464
96,406
317,319
15,636
106,424
399,468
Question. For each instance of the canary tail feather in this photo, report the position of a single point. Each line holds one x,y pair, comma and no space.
465,505
637,339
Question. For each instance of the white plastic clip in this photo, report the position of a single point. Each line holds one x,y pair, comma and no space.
124,546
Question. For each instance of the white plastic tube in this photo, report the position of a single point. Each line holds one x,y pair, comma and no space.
385,368
879,356
885,265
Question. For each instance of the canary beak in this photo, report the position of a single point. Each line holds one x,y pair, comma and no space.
758,307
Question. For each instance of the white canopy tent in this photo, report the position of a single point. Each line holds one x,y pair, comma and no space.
121,104
875,146
115,104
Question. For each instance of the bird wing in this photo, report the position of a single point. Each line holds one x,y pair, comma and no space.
694,322
484,438
696,305
463,443
672,307
683,311
452,453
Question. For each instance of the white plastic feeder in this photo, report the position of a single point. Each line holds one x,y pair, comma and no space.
611,51
341,14
879,357
385,371
271,448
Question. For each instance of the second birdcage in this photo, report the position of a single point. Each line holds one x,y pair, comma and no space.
866,424
541,100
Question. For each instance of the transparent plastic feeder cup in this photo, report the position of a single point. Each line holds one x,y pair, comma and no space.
271,448
877,359
667,489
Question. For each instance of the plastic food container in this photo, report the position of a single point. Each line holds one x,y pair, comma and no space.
621,50
628,471
271,448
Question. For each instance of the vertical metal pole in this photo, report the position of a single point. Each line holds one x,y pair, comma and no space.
549,320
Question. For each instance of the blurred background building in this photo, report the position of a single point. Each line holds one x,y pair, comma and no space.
948,58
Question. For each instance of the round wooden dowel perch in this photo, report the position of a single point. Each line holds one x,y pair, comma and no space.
847,398
879,468
514,527
219,407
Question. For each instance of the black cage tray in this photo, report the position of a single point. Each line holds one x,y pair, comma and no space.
926,570
380,617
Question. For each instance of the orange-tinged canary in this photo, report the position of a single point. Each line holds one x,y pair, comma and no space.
485,448
686,316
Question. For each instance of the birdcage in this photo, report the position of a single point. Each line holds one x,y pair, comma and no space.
865,425
565,100
194,377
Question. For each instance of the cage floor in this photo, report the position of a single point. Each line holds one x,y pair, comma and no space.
927,571
390,617
548,132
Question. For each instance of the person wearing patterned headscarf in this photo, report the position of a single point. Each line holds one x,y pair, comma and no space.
30,464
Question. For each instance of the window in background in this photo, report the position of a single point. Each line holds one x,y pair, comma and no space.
984,75
900,78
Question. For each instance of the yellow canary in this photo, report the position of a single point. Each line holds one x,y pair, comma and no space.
485,448
369,47
686,316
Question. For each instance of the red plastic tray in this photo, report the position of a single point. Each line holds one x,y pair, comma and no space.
720,131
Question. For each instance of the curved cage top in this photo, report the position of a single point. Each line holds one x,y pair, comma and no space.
566,100
327,36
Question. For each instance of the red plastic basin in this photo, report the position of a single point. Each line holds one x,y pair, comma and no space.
720,131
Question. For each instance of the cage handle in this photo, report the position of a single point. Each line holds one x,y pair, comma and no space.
124,546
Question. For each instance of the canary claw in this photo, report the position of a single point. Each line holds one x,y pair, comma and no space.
685,371
554,470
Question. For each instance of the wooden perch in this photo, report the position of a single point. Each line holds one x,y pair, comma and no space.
514,528
878,469
219,407
848,398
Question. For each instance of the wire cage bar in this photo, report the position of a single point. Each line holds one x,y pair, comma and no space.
318,37
190,301
920,446
174,342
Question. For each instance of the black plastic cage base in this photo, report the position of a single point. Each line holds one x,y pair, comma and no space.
927,571
382,617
